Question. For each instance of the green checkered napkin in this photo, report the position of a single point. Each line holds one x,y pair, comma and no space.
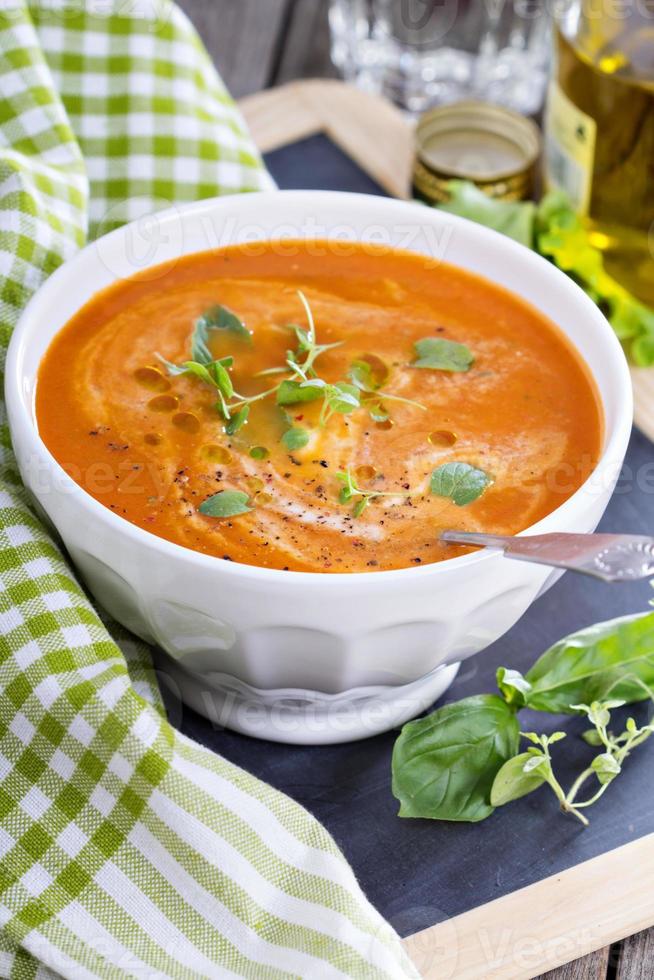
125,849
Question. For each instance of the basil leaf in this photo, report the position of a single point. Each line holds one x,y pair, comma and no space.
444,765
460,482
293,392
512,782
442,355
343,398
215,318
513,686
615,659
225,503
238,420
295,438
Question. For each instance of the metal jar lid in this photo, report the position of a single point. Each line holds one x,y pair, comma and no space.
495,148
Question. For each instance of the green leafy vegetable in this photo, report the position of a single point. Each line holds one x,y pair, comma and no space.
295,438
444,765
512,218
225,503
513,686
553,229
215,318
442,355
461,482
614,659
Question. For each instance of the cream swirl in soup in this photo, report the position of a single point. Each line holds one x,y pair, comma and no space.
296,408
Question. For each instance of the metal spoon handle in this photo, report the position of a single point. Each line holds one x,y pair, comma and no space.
610,557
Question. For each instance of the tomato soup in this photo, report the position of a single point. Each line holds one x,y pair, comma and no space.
292,407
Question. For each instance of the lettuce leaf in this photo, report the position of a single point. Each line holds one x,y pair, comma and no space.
554,230
512,218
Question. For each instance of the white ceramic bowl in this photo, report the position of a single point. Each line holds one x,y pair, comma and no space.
295,656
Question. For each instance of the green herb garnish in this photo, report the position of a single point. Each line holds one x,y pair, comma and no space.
302,386
463,760
295,392
215,318
225,503
341,398
365,377
259,452
461,482
364,498
237,420
307,345
377,411
232,407
442,355
295,438
369,382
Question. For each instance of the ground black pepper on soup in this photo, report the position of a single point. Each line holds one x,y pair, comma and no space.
316,408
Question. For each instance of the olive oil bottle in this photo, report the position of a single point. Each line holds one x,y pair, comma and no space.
600,130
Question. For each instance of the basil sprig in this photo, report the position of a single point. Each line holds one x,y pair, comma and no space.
462,761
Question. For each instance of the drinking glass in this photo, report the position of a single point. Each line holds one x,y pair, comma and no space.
421,53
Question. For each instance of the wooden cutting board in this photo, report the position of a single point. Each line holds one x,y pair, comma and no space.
378,137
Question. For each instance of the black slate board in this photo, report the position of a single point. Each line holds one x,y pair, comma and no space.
417,872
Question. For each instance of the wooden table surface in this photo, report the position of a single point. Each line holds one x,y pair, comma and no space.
258,44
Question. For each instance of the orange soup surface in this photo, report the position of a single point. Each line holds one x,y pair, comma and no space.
378,371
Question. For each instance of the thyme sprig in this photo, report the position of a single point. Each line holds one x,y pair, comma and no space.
605,766
351,490
303,385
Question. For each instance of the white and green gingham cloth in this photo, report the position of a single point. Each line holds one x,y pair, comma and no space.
126,850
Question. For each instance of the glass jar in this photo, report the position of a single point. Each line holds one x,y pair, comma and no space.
421,53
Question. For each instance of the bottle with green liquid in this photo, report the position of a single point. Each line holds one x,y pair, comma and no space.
599,130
